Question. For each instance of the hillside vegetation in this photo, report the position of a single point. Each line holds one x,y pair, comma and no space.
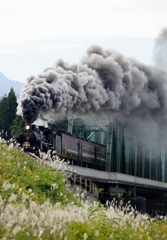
36,204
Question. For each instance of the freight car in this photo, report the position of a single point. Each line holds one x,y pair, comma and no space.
78,151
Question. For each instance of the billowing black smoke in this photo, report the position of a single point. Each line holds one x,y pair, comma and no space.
105,84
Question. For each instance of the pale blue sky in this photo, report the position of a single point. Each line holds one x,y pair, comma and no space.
34,34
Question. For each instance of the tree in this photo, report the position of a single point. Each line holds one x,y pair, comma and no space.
3,113
18,126
8,107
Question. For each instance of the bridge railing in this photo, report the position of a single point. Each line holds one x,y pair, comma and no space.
85,183
75,178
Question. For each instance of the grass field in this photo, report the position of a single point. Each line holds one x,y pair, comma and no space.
36,204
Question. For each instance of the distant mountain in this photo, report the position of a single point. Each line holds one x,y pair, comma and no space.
6,84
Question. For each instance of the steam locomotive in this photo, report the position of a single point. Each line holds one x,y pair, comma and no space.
78,151
125,154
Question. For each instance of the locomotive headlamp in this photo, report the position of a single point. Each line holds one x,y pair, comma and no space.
27,127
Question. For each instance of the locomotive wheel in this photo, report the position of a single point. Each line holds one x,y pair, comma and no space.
37,152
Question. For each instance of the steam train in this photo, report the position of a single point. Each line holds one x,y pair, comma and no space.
78,151
125,155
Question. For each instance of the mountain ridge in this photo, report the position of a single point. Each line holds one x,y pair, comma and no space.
6,84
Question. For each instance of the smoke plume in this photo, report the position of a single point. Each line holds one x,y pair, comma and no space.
103,85
160,51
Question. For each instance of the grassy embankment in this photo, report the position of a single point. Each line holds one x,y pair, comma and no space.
35,204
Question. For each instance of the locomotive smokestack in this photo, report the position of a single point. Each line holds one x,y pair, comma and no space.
105,84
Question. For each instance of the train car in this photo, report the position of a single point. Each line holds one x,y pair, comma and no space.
80,152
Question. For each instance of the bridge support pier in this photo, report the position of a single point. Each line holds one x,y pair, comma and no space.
109,166
131,192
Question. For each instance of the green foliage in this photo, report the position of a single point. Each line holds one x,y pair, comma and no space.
21,169
102,230
18,126
98,227
24,235
98,230
8,106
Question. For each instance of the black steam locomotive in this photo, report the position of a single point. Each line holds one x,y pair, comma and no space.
76,150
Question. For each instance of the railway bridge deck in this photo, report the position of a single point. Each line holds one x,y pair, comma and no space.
119,183
114,177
